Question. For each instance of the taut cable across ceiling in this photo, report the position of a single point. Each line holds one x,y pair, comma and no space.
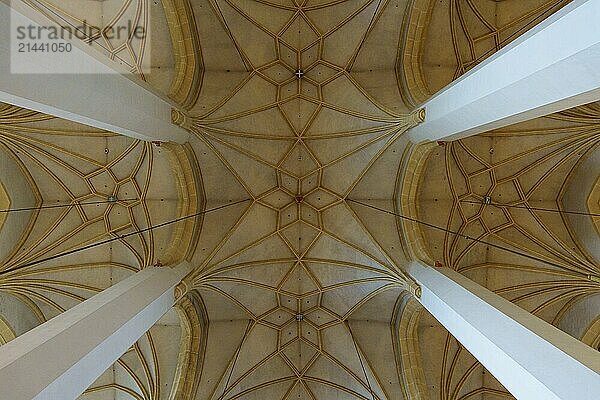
119,237
519,253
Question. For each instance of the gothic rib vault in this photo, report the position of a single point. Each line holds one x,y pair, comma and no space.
297,108
296,135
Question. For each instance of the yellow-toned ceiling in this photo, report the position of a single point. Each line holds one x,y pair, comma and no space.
538,176
65,167
298,109
4,204
288,278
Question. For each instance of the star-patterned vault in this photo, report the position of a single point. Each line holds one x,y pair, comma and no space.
298,112
295,136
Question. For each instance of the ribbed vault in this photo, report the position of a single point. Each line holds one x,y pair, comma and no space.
4,203
60,177
525,188
286,276
298,108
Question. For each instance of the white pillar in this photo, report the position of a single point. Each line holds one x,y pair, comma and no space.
531,358
552,67
61,358
106,100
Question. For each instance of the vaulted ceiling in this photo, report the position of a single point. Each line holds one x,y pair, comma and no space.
298,110
296,132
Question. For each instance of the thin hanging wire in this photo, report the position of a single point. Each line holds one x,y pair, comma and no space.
118,237
519,253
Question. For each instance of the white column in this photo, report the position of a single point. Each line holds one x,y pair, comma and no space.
107,100
552,67
531,358
61,358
